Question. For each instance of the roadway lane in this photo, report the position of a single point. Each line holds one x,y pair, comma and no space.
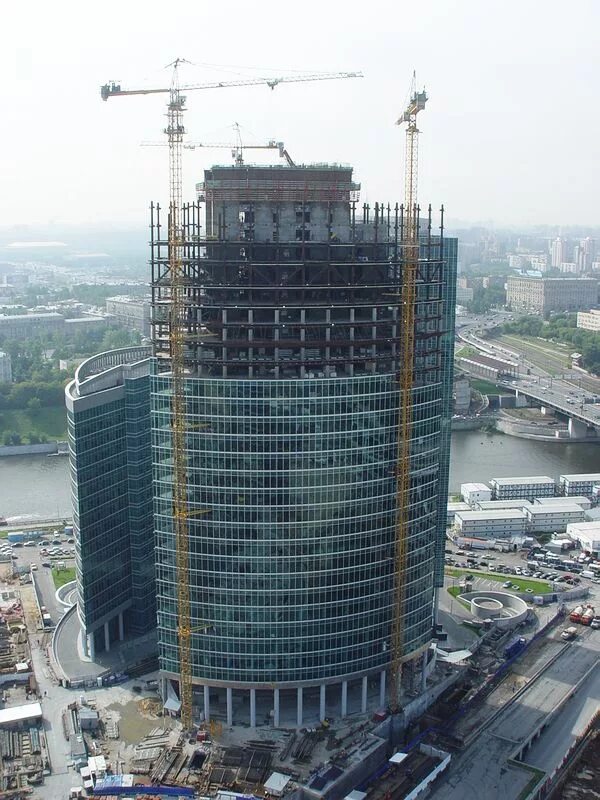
482,770
564,394
574,717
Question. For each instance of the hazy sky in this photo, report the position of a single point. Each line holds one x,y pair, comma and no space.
510,134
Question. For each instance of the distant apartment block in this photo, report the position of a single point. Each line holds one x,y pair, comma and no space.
544,295
558,252
5,368
589,320
523,487
39,326
130,312
569,268
29,326
580,484
539,263
463,294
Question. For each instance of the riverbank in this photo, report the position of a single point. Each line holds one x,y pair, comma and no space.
49,449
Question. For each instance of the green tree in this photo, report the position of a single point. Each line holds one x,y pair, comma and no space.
12,438
34,404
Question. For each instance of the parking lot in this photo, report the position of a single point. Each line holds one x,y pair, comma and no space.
563,572
41,558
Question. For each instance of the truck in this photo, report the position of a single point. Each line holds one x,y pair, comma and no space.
569,633
515,647
575,615
587,573
588,615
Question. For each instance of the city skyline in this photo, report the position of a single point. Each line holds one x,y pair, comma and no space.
494,142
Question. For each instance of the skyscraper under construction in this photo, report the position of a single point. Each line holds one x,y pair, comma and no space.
293,364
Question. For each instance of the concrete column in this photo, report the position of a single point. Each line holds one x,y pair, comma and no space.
121,627
299,707
207,703
363,704
424,672
382,688
344,698
91,646
106,637
275,708
322,696
253,708
577,429
229,707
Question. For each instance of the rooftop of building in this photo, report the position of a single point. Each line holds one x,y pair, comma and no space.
126,298
522,481
555,508
588,527
495,363
543,279
38,315
584,477
20,713
474,487
490,514
561,500
517,502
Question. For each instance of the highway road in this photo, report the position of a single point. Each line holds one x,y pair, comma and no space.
483,769
563,393
572,721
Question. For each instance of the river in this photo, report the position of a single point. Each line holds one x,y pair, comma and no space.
40,485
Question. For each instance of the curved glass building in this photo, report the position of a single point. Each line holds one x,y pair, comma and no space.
294,326
108,417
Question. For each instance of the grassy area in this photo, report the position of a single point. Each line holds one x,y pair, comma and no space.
62,576
466,351
538,587
483,386
50,422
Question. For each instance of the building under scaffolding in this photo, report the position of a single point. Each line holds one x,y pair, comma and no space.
292,348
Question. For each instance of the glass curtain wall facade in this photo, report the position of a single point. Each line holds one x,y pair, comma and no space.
293,334
108,416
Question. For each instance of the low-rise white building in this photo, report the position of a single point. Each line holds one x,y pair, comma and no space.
496,505
589,320
528,487
553,518
473,493
579,500
586,534
503,523
452,509
579,483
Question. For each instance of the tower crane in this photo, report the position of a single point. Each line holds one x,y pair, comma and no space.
410,259
181,507
237,150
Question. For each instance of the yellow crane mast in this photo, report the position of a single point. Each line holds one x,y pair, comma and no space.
177,337
410,260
